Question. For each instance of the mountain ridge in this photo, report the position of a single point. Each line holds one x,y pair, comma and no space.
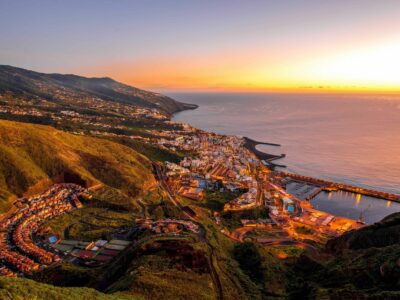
54,86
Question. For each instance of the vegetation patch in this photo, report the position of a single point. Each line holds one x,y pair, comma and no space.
153,152
25,289
90,223
249,260
232,219
304,230
215,200
166,269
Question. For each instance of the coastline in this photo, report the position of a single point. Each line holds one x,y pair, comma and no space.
267,159
185,106
249,144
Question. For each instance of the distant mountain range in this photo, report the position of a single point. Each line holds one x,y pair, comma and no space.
64,88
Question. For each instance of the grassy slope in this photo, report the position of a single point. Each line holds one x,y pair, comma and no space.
151,151
34,155
361,264
24,289
174,268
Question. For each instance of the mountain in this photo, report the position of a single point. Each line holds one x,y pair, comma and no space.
71,89
34,156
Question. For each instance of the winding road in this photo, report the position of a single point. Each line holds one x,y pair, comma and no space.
212,257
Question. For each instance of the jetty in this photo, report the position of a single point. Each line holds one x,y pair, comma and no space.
266,158
331,186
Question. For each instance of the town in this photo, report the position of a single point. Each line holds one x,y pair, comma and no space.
90,115
209,163
216,163
223,163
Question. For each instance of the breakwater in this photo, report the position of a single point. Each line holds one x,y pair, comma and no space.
329,185
251,144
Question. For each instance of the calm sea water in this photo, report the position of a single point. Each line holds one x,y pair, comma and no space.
353,139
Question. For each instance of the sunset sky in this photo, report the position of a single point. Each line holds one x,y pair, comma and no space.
210,45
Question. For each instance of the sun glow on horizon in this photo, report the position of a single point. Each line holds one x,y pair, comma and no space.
268,46
372,67
367,69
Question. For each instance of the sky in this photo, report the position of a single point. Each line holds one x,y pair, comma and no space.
206,45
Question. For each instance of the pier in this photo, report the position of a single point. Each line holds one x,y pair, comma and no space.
315,193
329,186
309,192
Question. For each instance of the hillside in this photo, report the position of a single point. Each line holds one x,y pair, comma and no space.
69,90
110,132
361,264
24,289
33,156
381,234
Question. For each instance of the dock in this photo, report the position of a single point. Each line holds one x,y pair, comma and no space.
329,186
315,193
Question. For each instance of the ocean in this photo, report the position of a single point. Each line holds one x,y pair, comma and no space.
354,139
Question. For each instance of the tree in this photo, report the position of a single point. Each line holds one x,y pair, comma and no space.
249,259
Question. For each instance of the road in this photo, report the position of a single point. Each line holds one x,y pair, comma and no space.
287,242
95,187
171,196
214,274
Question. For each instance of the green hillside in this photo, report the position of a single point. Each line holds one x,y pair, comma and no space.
361,264
26,289
34,156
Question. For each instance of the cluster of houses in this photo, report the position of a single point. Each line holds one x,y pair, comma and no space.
4,271
15,110
259,223
149,113
18,229
18,261
39,107
192,187
217,159
176,140
168,226
245,201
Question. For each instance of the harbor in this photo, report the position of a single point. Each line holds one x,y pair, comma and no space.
366,206
354,206
341,200
329,186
